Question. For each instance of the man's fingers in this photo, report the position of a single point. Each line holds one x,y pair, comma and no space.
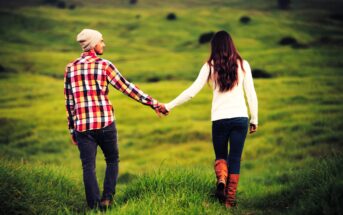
158,113
73,139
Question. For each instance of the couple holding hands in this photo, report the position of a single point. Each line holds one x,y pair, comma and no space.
91,118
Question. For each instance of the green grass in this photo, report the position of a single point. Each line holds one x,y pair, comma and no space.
290,166
45,189
38,189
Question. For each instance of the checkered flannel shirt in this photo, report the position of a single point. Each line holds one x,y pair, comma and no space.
86,89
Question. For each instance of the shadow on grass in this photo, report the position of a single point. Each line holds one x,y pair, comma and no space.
317,189
34,189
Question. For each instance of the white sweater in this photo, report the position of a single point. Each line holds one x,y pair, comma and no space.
225,105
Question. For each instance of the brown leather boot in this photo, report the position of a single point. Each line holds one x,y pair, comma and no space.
231,190
220,167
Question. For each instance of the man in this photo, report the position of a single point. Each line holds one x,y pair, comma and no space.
90,113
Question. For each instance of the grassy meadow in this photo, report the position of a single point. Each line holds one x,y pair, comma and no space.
292,165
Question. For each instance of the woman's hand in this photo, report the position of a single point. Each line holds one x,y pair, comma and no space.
252,128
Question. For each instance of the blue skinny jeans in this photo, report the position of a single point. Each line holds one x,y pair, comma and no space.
231,132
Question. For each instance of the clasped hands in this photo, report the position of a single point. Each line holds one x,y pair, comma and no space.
161,110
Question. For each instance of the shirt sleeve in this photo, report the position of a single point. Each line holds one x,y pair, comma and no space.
120,83
69,100
191,91
250,93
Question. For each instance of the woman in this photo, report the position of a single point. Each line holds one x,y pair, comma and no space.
228,74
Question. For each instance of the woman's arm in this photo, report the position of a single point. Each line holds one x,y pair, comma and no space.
191,91
250,93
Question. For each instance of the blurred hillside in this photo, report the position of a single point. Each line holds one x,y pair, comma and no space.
257,4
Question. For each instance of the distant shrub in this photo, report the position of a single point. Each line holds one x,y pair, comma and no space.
337,16
260,73
284,4
133,1
206,37
171,16
288,41
245,19
2,69
138,16
61,5
292,42
153,79
52,2
72,7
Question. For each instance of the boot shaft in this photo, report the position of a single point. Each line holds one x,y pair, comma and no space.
221,170
231,190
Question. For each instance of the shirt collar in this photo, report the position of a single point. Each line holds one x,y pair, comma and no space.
90,53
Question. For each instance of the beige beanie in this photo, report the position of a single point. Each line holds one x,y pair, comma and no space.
88,39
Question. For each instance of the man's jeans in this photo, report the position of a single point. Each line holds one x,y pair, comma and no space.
88,142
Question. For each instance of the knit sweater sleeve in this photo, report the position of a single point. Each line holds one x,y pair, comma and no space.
250,93
191,91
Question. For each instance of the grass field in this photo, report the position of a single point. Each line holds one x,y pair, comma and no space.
292,165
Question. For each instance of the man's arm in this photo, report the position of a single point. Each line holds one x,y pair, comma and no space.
69,103
120,83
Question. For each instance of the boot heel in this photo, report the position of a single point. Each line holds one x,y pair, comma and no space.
221,187
220,192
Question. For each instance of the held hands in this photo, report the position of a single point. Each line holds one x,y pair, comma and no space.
252,128
161,110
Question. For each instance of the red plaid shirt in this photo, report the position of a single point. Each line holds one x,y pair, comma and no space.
86,89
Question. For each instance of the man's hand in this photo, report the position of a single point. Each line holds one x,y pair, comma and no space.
161,110
253,128
72,135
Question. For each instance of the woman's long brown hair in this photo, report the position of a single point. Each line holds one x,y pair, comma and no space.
223,60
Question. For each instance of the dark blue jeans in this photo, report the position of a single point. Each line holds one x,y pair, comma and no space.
233,131
88,142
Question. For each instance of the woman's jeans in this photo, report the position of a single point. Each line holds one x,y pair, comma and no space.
88,142
233,131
